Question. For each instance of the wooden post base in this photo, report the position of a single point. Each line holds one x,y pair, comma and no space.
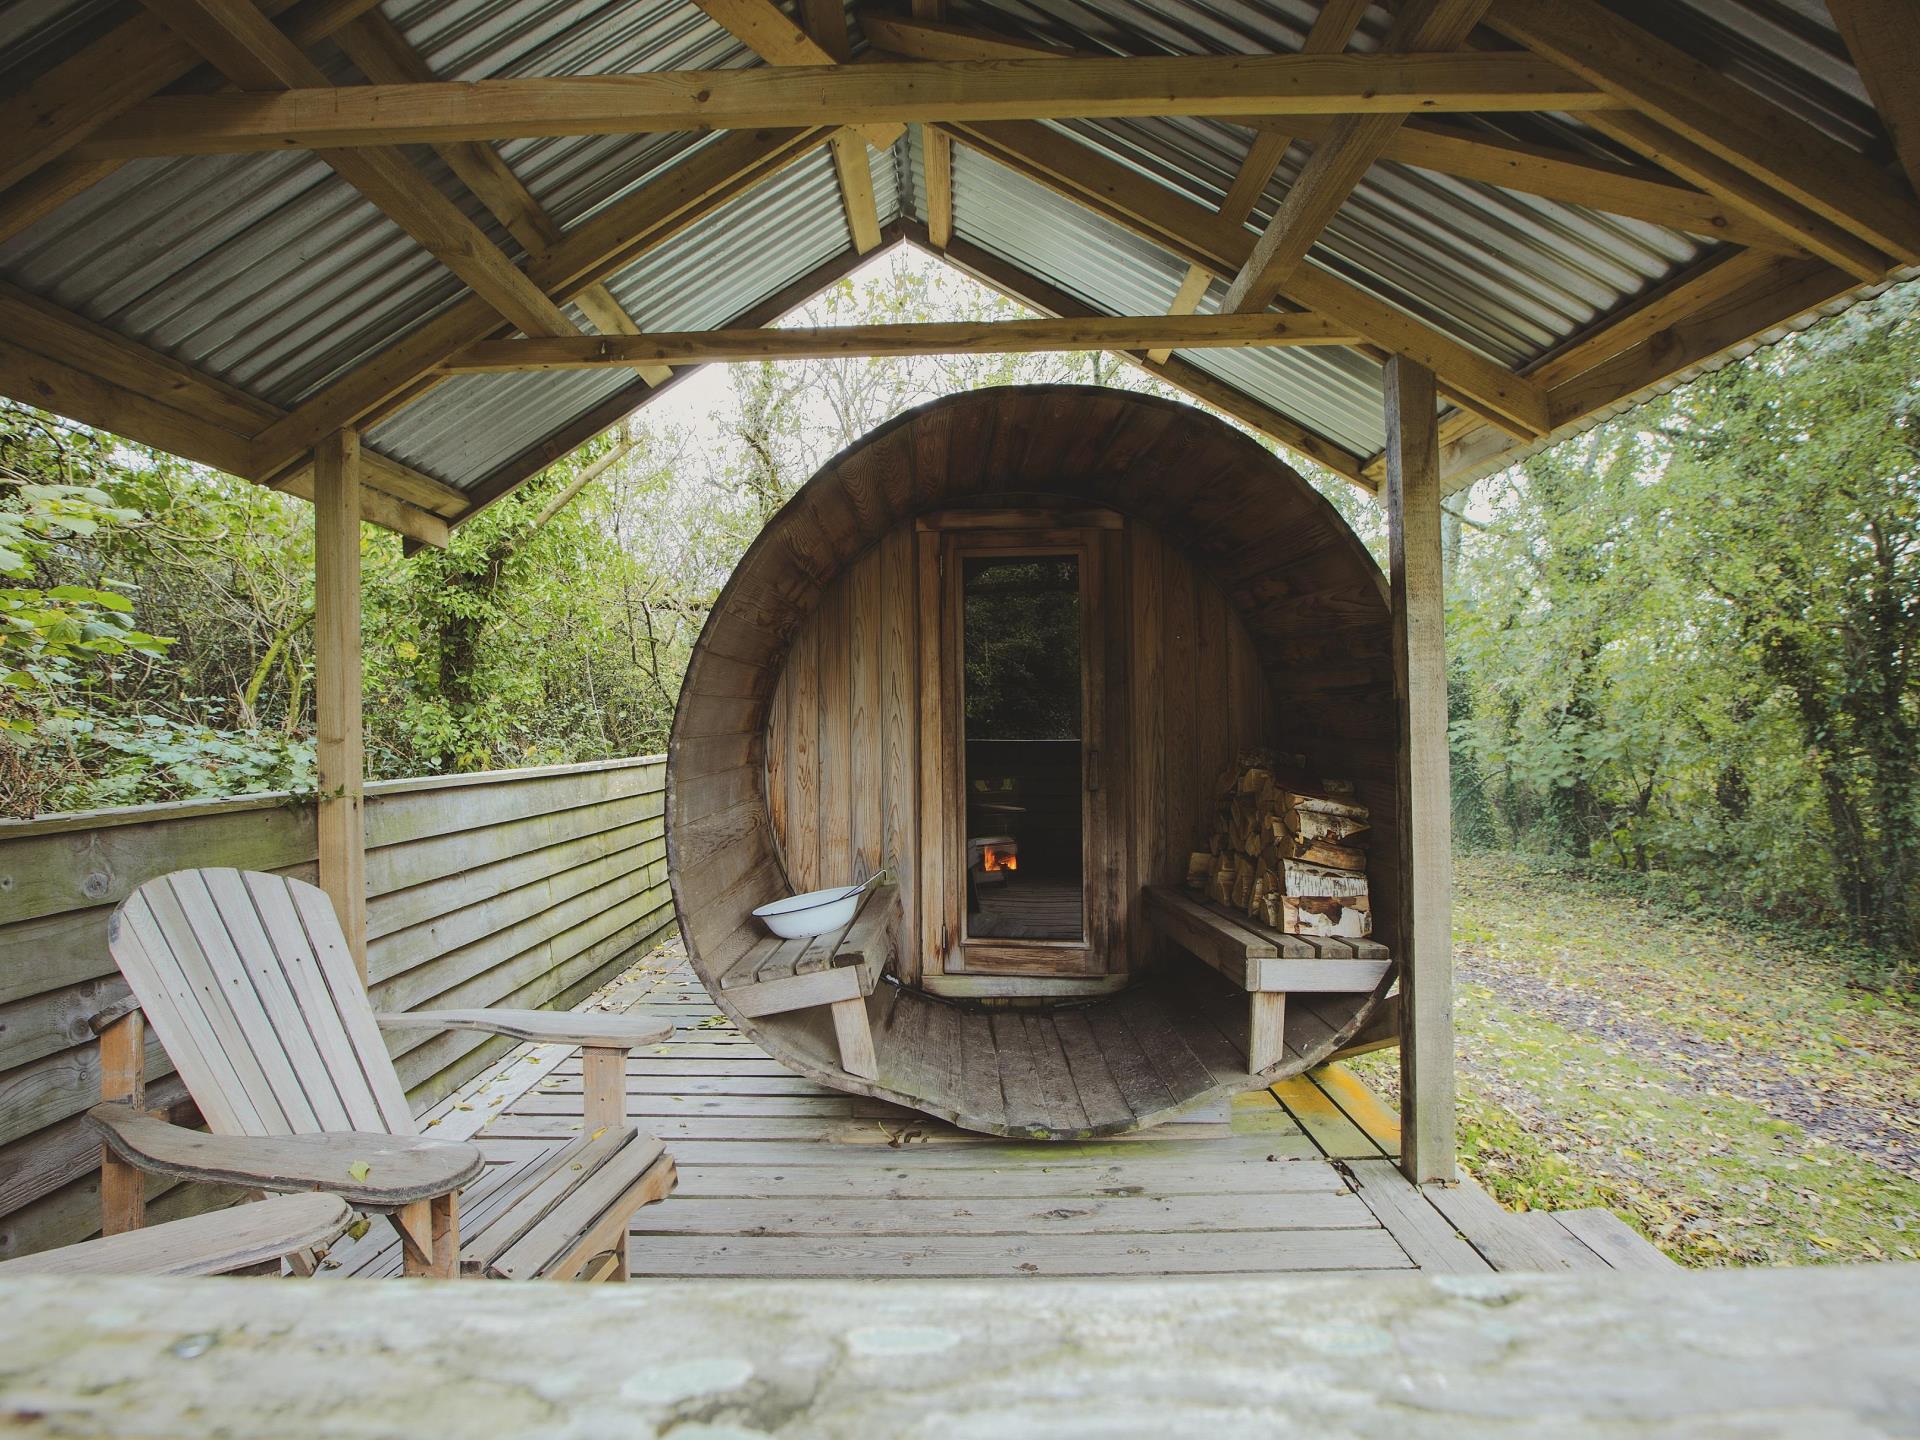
1266,1029
430,1237
855,1035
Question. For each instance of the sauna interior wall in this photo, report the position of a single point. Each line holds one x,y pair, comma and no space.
843,756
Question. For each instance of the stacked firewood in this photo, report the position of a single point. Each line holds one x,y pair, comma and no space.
1287,852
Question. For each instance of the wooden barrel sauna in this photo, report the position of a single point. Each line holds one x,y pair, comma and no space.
862,695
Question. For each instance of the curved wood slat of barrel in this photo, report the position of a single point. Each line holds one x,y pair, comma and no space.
1265,557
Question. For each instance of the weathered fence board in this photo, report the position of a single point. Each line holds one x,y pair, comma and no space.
524,888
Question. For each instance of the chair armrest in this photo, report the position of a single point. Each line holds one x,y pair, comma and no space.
400,1169
211,1244
593,1029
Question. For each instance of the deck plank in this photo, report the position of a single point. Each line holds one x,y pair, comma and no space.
1325,1121
1423,1232
1497,1234
1546,1228
1160,1216
1617,1243
771,1256
782,1176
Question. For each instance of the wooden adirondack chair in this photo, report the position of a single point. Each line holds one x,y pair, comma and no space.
249,985
220,1243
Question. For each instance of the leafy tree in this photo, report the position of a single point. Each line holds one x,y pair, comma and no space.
1688,639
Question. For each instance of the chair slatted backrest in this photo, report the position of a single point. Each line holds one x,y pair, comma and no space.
248,983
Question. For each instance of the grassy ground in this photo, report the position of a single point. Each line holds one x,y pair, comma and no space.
1734,1095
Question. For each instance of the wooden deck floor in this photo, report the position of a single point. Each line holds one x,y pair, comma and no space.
780,1177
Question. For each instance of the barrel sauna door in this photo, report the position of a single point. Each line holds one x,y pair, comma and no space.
1017,690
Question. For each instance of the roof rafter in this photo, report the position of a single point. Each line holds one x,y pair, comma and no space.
599,246
1692,325
1883,37
62,362
1720,116
1009,337
1332,28
1341,159
1196,234
138,58
498,109
1035,293
1556,174
764,28
256,55
936,155
503,479
382,54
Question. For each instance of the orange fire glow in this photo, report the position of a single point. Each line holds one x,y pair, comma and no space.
996,858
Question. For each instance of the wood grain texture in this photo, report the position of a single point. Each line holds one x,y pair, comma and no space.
339,744
215,1244
1235,600
1425,944
524,888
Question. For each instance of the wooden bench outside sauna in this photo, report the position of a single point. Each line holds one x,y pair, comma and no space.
839,970
1266,963
250,987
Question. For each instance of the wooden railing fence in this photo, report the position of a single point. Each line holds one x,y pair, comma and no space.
522,887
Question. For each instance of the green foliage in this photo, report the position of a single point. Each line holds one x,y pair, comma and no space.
1022,625
55,633
1687,640
159,759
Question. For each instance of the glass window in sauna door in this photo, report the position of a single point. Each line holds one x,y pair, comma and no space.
1023,741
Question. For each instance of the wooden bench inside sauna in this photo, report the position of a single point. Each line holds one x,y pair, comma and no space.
1011,647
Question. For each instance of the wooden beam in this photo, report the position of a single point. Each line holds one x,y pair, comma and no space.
1719,115
1883,37
337,682
382,54
1742,190
1332,29
496,109
61,362
138,58
936,158
1557,174
1342,159
1186,300
855,174
936,154
764,28
1424,945
508,476
1197,235
62,105
1003,337
826,24
610,240
1037,294
255,55
1608,373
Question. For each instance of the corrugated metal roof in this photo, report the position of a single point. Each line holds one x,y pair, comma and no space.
271,273
745,253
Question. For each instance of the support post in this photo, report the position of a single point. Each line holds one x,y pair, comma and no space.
1427,1144
123,1065
337,684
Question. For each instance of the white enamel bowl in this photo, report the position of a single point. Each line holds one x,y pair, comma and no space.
815,912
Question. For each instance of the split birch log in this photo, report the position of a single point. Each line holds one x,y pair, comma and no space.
1289,856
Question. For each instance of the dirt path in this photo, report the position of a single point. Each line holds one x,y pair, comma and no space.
1883,1128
